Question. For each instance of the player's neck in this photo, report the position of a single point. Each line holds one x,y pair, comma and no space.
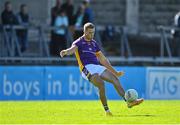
86,39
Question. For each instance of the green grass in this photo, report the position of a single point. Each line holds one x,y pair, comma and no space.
89,112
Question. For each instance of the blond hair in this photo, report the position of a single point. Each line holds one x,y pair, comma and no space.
88,26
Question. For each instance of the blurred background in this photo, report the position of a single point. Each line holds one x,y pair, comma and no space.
130,32
139,36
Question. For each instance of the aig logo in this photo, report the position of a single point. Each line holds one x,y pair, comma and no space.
163,83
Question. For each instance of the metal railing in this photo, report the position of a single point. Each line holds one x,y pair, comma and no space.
166,39
9,44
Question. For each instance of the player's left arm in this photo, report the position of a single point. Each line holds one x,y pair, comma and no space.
105,62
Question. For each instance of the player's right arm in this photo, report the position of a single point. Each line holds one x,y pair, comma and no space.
68,51
105,62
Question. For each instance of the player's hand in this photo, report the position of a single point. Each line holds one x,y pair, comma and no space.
119,73
63,53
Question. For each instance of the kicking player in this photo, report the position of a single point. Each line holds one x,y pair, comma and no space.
95,67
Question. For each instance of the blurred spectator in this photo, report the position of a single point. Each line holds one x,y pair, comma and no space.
54,11
79,17
176,33
88,14
23,19
59,41
177,20
69,9
7,16
79,21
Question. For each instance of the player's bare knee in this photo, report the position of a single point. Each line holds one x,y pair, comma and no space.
93,77
96,80
100,82
100,85
115,80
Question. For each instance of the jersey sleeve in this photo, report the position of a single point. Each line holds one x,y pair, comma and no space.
77,43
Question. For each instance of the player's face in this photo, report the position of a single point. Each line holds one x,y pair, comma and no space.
25,10
89,33
9,7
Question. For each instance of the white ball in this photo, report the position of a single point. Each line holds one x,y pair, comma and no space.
131,95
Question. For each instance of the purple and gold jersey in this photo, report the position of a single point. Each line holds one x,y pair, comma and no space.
86,52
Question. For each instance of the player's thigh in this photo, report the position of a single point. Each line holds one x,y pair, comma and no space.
109,76
97,80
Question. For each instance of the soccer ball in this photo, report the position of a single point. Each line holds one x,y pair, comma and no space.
131,95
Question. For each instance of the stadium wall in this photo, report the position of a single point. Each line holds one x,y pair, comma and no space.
66,83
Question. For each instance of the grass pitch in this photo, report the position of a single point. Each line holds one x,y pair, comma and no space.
88,112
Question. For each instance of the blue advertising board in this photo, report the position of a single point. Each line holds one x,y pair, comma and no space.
163,83
21,83
66,83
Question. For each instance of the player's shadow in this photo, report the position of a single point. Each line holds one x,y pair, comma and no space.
144,115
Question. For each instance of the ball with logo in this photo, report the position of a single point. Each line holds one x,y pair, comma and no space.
131,95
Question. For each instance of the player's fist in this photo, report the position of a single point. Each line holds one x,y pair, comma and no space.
63,53
119,73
